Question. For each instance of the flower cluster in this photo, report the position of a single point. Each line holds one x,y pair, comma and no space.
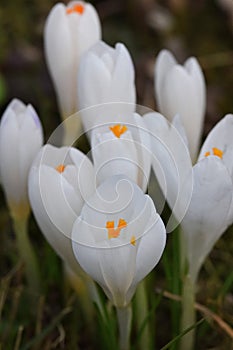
95,213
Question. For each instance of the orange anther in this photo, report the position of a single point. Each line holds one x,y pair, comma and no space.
78,8
217,152
122,223
60,168
118,130
110,224
115,232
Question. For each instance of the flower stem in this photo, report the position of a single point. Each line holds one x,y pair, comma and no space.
188,313
72,130
141,315
27,253
124,316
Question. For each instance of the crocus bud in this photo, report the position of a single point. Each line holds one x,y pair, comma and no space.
21,137
118,238
181,90
60,180
106,75
69,31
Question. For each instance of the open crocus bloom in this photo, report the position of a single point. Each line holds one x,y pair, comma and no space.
60,180
118,238
69,31
181,89
106,75
21,138
122,148
209,210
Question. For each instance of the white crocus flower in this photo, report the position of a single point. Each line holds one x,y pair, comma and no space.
207,216
118,238
208,197
106,76
69,32
21,138
60,180
123,149
181,90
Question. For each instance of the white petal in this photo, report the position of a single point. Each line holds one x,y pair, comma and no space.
123,87
164,62
142,141
151,246
60,242
89,29
118,269
60,56
195,71
84,249
114,156
179,96
171,164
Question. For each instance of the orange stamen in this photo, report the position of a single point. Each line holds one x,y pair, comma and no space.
115,232
122,223
60,168
118,130
110,224
217,152
133,240
78,8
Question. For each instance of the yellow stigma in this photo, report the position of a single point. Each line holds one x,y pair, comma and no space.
118,130
115,232
133,240
60,168
78,8
216,152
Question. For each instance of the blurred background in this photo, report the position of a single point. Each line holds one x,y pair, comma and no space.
202,28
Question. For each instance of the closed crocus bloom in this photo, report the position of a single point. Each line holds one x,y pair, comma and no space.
21,137
69,31
123,149
181,89
118,238
106,75
60,180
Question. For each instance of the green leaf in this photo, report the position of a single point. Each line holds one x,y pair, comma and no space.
187,330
